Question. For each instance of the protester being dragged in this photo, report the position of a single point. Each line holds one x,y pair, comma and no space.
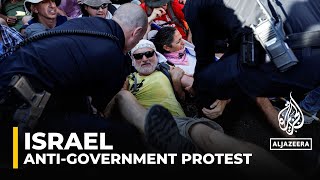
65,69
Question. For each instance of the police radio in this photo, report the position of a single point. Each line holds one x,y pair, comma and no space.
271,36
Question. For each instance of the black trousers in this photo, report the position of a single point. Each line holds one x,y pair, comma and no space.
228,78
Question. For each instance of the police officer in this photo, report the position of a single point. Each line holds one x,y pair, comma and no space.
73,66
213,20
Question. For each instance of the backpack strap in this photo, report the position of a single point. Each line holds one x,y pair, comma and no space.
134,86
164,68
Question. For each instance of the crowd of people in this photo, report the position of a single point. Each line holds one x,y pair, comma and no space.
128,67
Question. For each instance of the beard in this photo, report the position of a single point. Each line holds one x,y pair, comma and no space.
146,70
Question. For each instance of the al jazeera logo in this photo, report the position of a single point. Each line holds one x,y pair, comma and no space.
290,120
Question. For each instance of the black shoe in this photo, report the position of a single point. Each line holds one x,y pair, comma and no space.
162,133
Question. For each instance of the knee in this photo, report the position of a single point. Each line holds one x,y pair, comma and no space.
123,95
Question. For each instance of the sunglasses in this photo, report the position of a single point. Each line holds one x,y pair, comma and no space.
103,6
42,2
139,56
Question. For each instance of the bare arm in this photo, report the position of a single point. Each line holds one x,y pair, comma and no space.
176,76
156,12
271,113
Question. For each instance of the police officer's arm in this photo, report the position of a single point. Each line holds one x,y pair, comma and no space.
211,22
216,108
176,76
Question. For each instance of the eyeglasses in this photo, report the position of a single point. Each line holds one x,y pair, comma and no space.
103,6
139,56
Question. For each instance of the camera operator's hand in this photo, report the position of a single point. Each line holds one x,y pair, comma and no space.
216,109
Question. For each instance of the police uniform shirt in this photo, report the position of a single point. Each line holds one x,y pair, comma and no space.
74,65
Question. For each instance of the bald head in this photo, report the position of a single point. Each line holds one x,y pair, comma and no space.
133,21
130,15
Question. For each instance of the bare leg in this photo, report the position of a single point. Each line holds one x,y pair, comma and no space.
129,108
271,114
261,162
162,132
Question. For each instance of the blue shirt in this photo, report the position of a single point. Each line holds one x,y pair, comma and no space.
60,20
10,38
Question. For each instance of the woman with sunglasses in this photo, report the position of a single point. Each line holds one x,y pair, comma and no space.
97,8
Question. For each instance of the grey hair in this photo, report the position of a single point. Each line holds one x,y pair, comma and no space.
130,16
